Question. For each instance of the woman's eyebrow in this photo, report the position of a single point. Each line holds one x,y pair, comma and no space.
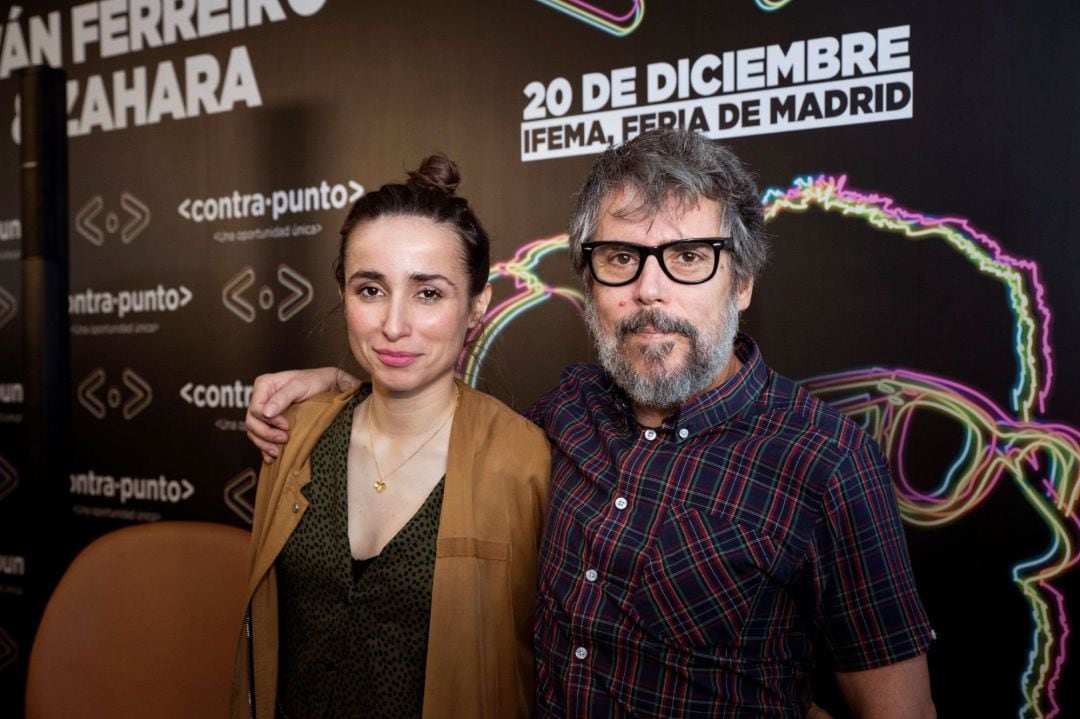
367,275
430,277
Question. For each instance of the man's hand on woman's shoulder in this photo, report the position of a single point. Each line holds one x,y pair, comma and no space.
273,393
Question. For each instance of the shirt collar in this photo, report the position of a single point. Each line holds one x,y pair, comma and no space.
714,407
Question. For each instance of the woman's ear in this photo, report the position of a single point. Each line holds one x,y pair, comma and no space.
479,306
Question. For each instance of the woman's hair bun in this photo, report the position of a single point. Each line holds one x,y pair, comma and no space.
437,172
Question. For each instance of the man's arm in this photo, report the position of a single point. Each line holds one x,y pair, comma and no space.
816,712
896,691
273,393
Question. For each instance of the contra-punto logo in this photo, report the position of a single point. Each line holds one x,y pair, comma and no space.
98,396
9,306
127,488
9,478
234,395
275,204
10,232
127,224
9,650
235,298
240,494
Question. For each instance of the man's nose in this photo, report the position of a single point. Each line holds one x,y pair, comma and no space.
652,285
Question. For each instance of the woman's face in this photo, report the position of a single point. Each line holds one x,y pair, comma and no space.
407,304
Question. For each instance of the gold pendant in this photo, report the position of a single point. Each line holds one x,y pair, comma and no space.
379,486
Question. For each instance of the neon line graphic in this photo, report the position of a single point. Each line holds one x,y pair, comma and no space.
617,25
1032,333
1041,458
531,292
771,5
996,444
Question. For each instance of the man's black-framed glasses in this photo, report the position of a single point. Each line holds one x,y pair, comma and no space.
689,261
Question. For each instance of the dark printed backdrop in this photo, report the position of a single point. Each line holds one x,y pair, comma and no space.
916,161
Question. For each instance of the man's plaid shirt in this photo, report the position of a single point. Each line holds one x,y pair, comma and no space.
698,569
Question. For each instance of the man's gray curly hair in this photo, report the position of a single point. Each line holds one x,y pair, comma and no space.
667,163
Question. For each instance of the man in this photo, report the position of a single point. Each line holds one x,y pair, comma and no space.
714,530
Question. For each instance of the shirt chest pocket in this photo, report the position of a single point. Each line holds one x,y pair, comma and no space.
472,547
702,579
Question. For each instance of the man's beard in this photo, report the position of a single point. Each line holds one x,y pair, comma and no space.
708,353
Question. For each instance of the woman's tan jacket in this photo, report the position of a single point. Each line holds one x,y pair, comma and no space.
479,658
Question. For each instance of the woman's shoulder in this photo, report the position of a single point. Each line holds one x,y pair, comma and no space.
481,410
498,448
317,412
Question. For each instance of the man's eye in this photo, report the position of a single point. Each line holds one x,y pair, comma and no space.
688,257
619,256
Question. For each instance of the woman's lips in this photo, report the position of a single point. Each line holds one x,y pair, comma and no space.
396,359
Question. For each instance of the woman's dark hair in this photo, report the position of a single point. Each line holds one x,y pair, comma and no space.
428,193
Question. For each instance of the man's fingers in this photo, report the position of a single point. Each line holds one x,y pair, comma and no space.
344,380
278,421
269,450
296,389
265,432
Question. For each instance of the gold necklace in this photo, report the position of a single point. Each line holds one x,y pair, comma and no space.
380,485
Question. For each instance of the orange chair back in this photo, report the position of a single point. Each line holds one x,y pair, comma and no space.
144,623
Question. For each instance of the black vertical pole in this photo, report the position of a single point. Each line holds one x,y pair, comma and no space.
46,338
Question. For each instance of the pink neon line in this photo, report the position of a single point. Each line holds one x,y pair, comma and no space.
511,302
901,469
605,13
1059,662
986,405
1030,268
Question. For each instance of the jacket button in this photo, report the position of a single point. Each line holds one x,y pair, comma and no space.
296,508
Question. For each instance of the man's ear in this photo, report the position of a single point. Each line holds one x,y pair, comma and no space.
744,294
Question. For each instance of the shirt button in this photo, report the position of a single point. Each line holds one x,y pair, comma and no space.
591,575
620,503
650,434
684,433
581,653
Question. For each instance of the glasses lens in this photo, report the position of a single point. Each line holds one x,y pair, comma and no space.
615,263
690,261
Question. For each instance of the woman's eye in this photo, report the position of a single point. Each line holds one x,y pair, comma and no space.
368,292
430,294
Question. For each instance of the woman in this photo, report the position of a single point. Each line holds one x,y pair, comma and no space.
394,540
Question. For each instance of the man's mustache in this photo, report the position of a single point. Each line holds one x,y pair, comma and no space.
657,320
